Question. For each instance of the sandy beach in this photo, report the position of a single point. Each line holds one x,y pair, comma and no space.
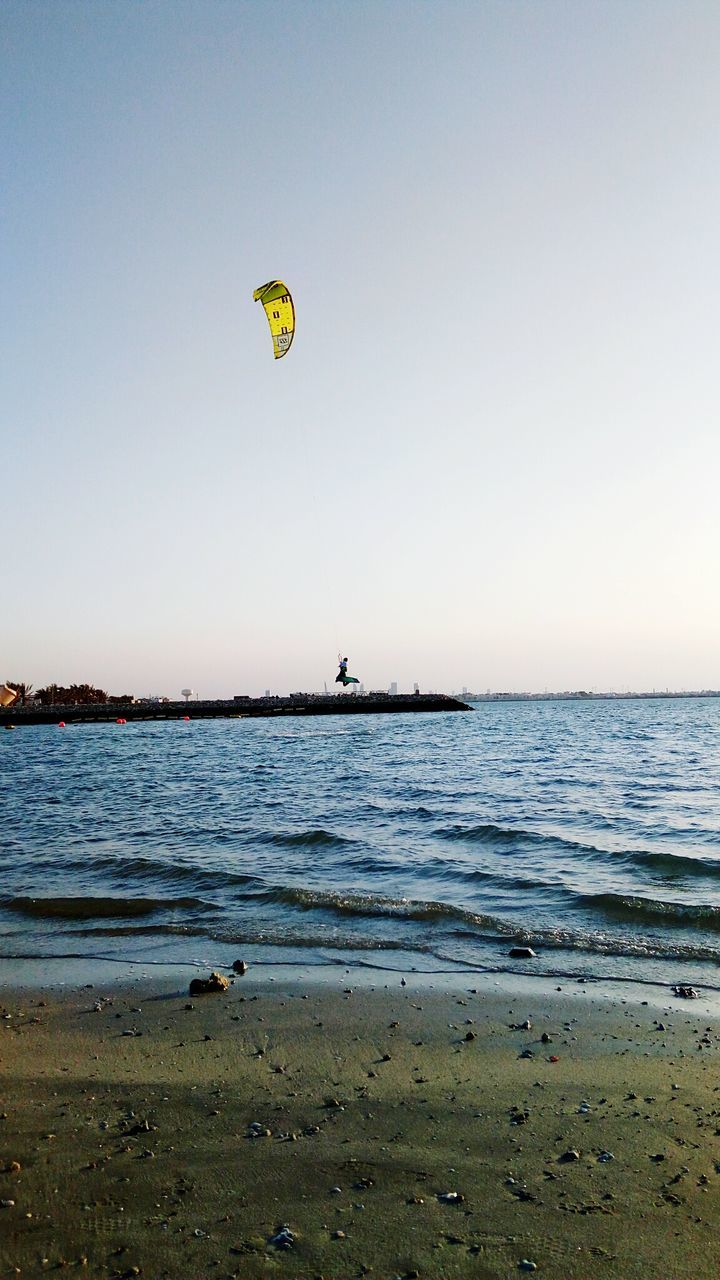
399,1130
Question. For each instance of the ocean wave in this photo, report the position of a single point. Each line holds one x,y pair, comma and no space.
232,935
478,926
419,812
365,905
633,908
488,833
313,837
89,908
589,943
158,872
155,930
669,787
677,864
673,864
504,879
448,945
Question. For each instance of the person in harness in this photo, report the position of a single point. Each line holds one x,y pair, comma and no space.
342,676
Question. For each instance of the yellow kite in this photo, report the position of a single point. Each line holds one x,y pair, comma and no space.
280,312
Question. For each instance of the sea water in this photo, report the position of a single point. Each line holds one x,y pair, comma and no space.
589,831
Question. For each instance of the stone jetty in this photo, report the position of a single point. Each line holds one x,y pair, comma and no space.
296,704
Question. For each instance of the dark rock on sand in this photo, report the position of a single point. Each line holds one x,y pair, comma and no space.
204,986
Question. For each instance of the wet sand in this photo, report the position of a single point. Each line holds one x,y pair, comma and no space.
148,1133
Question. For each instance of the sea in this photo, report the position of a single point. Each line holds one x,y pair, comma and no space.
588,831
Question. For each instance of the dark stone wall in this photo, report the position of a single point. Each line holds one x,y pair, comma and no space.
308,704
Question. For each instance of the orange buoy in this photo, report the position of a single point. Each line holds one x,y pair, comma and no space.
120,720
186,717
61,724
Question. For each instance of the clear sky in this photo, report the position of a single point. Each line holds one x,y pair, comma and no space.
492,456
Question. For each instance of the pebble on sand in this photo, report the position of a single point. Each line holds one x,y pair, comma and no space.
522,953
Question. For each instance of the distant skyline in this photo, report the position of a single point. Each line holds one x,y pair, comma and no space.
490,458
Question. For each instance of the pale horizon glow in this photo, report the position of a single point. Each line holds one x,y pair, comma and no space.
490,458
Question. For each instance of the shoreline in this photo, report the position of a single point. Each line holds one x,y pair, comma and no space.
178,1135
30,971
62,973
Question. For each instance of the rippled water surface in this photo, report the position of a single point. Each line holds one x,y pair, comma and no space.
590,830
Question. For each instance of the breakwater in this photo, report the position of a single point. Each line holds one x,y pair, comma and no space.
296,704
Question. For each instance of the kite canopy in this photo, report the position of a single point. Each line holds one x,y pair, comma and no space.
7,695
280,312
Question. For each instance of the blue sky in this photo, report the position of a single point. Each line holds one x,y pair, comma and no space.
491,456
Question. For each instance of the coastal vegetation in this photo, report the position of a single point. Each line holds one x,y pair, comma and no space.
75,695
58,695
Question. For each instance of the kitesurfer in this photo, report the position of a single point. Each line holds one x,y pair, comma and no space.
342,676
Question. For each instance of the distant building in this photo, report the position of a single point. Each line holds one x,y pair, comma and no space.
393,688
